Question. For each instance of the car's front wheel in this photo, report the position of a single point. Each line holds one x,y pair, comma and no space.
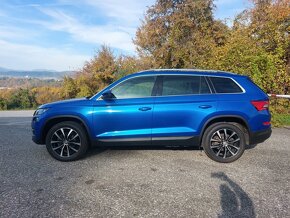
224,142
67,141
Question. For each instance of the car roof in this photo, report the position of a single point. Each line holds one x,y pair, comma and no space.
186,72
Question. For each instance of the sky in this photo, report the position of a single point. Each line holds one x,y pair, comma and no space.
62,34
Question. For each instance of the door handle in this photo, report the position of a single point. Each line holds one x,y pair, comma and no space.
205,106
144,108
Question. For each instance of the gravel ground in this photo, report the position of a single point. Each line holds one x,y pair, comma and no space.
131,182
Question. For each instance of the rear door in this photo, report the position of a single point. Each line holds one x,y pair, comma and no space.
182,103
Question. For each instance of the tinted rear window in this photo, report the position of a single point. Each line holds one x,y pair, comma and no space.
184,85
225,85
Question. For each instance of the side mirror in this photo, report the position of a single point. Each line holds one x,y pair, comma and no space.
108,95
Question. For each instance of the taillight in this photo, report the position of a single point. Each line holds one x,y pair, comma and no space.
261,105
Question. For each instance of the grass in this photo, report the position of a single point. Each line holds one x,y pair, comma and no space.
280,110
280,119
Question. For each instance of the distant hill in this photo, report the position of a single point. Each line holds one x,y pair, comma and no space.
40,74
13,82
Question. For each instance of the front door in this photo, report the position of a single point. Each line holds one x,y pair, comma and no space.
126,118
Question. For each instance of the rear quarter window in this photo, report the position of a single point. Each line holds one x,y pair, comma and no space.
225,85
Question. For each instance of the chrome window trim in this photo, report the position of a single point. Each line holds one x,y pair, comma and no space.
179,74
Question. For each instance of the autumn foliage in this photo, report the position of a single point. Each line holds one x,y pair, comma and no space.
185,34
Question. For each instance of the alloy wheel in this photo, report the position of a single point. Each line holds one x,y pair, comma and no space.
225,143
65,142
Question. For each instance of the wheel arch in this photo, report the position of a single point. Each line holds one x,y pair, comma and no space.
227,119
57,119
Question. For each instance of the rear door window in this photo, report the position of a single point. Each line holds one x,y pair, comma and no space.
184,85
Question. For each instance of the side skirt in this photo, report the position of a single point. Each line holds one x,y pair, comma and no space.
188,141
192,141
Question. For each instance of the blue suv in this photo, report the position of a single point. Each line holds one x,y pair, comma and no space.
219,111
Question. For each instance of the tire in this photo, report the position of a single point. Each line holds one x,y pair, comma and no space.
67,141
224,142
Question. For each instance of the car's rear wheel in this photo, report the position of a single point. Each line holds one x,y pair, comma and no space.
67,141
224,142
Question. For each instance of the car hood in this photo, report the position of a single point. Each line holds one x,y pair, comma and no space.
70,102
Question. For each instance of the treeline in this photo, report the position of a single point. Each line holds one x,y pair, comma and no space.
28,98
7,82
28,93
185,34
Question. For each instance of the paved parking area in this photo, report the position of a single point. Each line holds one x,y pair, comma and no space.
131,182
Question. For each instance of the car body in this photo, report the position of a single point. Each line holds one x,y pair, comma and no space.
160,107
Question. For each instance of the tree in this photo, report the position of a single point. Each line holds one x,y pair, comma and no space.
270,28
97,73
3,104
184,34
257,46
47,94
69,88
22,99
131,64
180,33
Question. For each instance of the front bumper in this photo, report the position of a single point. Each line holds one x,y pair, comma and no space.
260,136
36,136
36,140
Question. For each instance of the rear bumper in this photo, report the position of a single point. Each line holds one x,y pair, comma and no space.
260,136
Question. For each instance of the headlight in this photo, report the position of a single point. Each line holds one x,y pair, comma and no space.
40,111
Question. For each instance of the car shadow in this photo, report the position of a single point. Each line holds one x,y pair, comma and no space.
97,150
235,202
92,151
251,146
